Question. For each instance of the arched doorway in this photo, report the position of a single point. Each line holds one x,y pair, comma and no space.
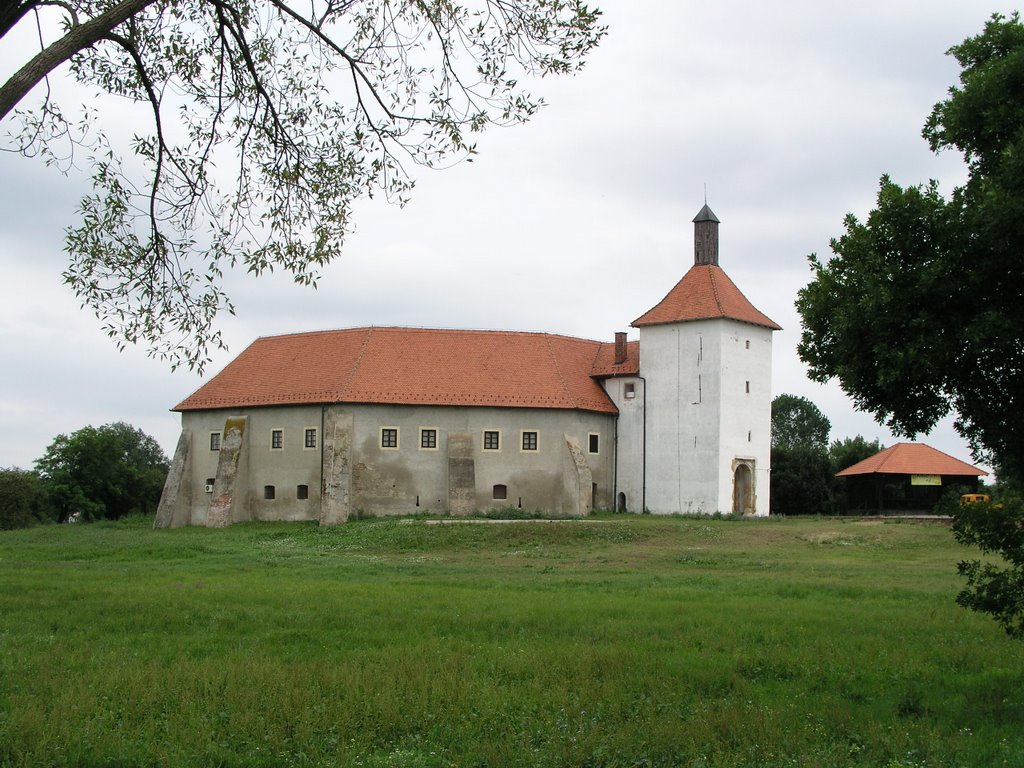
620,502
743,490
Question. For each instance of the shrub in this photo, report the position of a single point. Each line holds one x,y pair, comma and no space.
24,500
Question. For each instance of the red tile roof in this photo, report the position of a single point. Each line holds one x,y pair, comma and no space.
704,293
911,459
414,367
604,364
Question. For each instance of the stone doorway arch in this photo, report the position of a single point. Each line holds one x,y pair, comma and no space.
743,489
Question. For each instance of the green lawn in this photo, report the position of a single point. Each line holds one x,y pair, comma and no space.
622,641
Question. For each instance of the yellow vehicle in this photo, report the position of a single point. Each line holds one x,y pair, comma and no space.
974,498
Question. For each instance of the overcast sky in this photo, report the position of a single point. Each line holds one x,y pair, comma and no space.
576,223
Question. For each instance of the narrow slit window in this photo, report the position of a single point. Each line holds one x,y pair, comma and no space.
594,443
748,387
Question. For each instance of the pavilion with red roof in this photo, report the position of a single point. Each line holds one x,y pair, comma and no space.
907,477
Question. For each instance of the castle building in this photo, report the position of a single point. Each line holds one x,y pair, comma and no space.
381,420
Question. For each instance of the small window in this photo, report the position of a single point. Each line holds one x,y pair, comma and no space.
309,441
501,492
276,439
594,443
492,441
748,387
629,391
428,439
268,492
389,437
302,492
748,344
215,441
529,441
749,435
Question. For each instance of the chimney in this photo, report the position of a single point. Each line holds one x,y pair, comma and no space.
620,347
705,237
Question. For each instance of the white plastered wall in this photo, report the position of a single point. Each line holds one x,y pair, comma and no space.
700,417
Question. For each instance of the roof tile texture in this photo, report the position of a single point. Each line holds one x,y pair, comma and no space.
911,459
705,293
414,366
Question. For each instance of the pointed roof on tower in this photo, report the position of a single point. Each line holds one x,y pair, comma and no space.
705,292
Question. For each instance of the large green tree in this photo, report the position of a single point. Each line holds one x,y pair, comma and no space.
104,472
261,123
798,423
800,478
918,312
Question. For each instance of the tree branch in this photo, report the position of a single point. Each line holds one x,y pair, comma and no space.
78,38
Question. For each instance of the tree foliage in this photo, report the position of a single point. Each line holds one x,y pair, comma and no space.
851,450
800,478
996,589
24,500
797,423
801,483
104,472
917,314
842,454
267,120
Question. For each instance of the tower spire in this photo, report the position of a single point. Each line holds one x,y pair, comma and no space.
705,237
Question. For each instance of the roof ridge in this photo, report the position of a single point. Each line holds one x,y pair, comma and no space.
888,453
355,366
558,371
425,329
714,289
597,354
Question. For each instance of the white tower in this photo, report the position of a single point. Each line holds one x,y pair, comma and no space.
706,360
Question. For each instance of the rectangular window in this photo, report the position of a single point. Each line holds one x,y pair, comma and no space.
302,492
629,391
492,440
215,441
428,439
748,387
389,437
268,492
276,439
594,443
529,441
310,438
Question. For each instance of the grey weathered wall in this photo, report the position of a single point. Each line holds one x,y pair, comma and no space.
350,473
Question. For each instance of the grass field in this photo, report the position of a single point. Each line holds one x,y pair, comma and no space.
624,641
